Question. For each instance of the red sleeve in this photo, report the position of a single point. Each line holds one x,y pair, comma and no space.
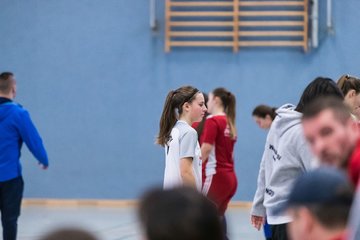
354,165
354,168
210,131
195,125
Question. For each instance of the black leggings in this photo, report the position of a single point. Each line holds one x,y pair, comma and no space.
279,232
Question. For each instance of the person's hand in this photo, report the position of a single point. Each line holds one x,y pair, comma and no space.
42,166
257,221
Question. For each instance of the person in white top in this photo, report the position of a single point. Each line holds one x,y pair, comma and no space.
182,107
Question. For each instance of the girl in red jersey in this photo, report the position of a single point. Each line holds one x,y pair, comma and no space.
217,149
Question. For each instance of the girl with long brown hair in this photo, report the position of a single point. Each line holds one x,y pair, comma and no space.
217,149
182,107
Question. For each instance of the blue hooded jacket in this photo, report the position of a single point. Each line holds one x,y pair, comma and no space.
16,127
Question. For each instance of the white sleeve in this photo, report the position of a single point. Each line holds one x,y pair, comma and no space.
188,144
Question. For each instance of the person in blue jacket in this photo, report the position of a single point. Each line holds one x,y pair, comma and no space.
16,127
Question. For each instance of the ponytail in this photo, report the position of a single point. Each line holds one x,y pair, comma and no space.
231,114
174,101
229,103
167,120
347,83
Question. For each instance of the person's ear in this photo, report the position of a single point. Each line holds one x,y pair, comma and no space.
308,220
217,99
13,90
352,93
186,106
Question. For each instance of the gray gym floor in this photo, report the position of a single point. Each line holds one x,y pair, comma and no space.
110,223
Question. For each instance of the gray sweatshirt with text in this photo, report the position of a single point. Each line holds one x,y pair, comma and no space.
286,156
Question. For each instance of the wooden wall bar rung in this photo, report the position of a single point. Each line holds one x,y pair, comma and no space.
202,43
271,33
201,4
271,23
271,3
201,14
202,24
271,13
270,43
201,34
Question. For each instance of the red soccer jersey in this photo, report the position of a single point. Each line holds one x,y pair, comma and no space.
217,133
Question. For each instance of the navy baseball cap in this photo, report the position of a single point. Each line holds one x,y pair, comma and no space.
324,185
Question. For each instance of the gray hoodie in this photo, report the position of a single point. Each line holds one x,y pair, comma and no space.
286,156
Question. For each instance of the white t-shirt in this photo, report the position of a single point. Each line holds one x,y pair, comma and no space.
183,143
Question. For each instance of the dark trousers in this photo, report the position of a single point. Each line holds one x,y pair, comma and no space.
279,232
11,193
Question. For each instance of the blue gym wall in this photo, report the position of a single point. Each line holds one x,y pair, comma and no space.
94,78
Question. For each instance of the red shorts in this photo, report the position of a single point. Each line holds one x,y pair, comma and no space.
220,188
